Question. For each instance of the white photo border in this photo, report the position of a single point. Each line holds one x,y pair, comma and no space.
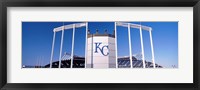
184,15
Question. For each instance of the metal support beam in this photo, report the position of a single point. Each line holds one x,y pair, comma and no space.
116,45
86,41
52,49
152,49
130,47
142,47
124,24
61,45
72,53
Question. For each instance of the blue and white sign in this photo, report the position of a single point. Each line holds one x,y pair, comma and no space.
99,48
101,52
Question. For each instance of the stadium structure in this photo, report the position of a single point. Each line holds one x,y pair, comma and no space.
79,62
101,49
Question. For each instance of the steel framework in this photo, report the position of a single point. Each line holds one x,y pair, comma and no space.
85,24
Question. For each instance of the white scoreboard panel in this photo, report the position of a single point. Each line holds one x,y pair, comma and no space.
101,52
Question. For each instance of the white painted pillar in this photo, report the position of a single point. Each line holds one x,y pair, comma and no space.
92,52
152,49
86,41
61,45
72,53
116,45
130,47
142,47
52,49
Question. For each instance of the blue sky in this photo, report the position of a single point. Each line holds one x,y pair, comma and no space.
37,41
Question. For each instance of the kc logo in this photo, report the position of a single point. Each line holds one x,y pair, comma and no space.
98,46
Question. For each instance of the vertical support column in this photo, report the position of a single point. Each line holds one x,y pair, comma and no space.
92,52
130,47
61,45
152,50
116,56
52,48
86,33
142,47
72,53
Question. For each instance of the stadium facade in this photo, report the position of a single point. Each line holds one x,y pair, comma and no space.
101,49
79,62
